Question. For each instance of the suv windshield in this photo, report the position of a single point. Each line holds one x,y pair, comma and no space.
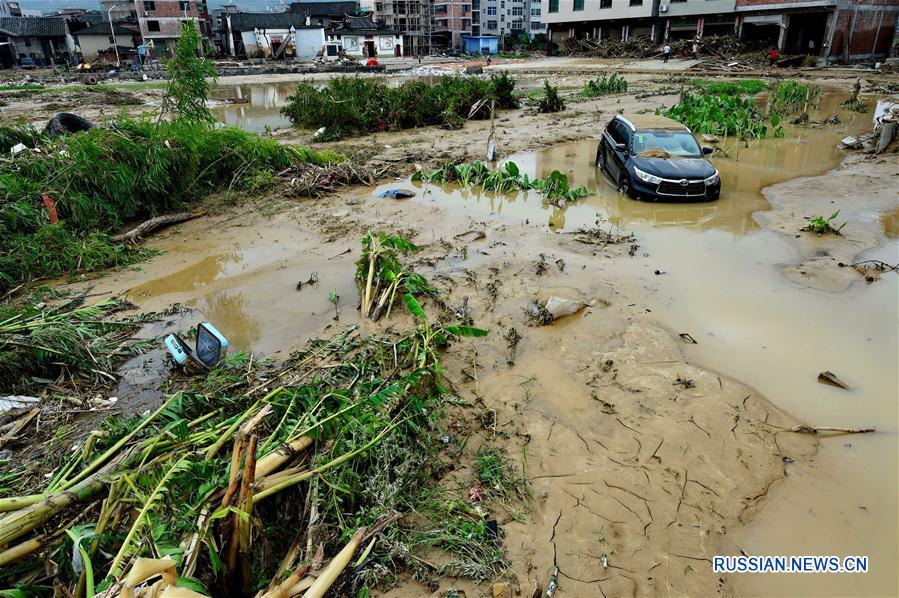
666,144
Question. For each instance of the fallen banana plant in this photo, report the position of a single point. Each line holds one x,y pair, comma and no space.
352,417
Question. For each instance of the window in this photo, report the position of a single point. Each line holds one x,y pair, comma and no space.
516,25
149,5
152,25
491,24
553,5
535,12
518,11
491,10
618,131
536,25
605,3
636,3
578,4
184,5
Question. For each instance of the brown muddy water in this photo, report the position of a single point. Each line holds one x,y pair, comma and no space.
721,281
262,109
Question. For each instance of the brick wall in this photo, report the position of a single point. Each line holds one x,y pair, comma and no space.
160,19
871,34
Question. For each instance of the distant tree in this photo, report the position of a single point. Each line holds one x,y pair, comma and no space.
190,78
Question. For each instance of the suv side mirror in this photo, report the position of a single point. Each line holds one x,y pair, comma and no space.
620,147
706,150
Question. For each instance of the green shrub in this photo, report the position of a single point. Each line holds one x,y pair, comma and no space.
349,106
731,88
505,179
723,115
105,177
551,100
604,86
789,97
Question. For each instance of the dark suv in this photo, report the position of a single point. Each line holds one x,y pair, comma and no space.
655,158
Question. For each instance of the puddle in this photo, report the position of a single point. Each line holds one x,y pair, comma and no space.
890,222
261,110
751,166
247,286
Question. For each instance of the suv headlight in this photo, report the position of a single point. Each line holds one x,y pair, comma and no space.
713,180
646,177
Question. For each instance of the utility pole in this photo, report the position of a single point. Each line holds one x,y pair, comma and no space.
115,42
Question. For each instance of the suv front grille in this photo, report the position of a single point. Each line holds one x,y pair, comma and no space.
696,187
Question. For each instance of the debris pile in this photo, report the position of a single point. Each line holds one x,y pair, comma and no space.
639,46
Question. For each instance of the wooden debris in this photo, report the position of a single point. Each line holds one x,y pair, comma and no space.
829,430
145,228
831,379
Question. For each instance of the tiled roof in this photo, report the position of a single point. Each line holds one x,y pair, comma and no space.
324,9
33,26
247,21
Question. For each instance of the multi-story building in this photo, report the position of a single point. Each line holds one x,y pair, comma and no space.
160,20
832,29
411,18
119,10
451,20
600,18
509,17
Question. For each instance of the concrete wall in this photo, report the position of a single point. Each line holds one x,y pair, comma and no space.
593,11
307,41
354,45
695,7
91,45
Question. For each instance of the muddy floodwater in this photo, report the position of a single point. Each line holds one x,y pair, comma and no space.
707,269
257,106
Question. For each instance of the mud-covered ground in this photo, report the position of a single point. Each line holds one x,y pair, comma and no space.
643,465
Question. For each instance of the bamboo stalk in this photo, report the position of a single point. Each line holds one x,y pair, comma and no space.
277,458
99,461
333,463
23,521
212,450
19,550
330,573
246,504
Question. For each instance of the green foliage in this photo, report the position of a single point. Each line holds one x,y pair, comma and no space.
10,136
349,106
47,342
551,101
604,85
505,179
498,475
190,79
723,115
821,225
105,177
789,97
731,88
381,275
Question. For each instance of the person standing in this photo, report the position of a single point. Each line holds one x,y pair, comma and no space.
695,49
666,52
811,47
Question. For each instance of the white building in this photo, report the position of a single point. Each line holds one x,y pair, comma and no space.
271,35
